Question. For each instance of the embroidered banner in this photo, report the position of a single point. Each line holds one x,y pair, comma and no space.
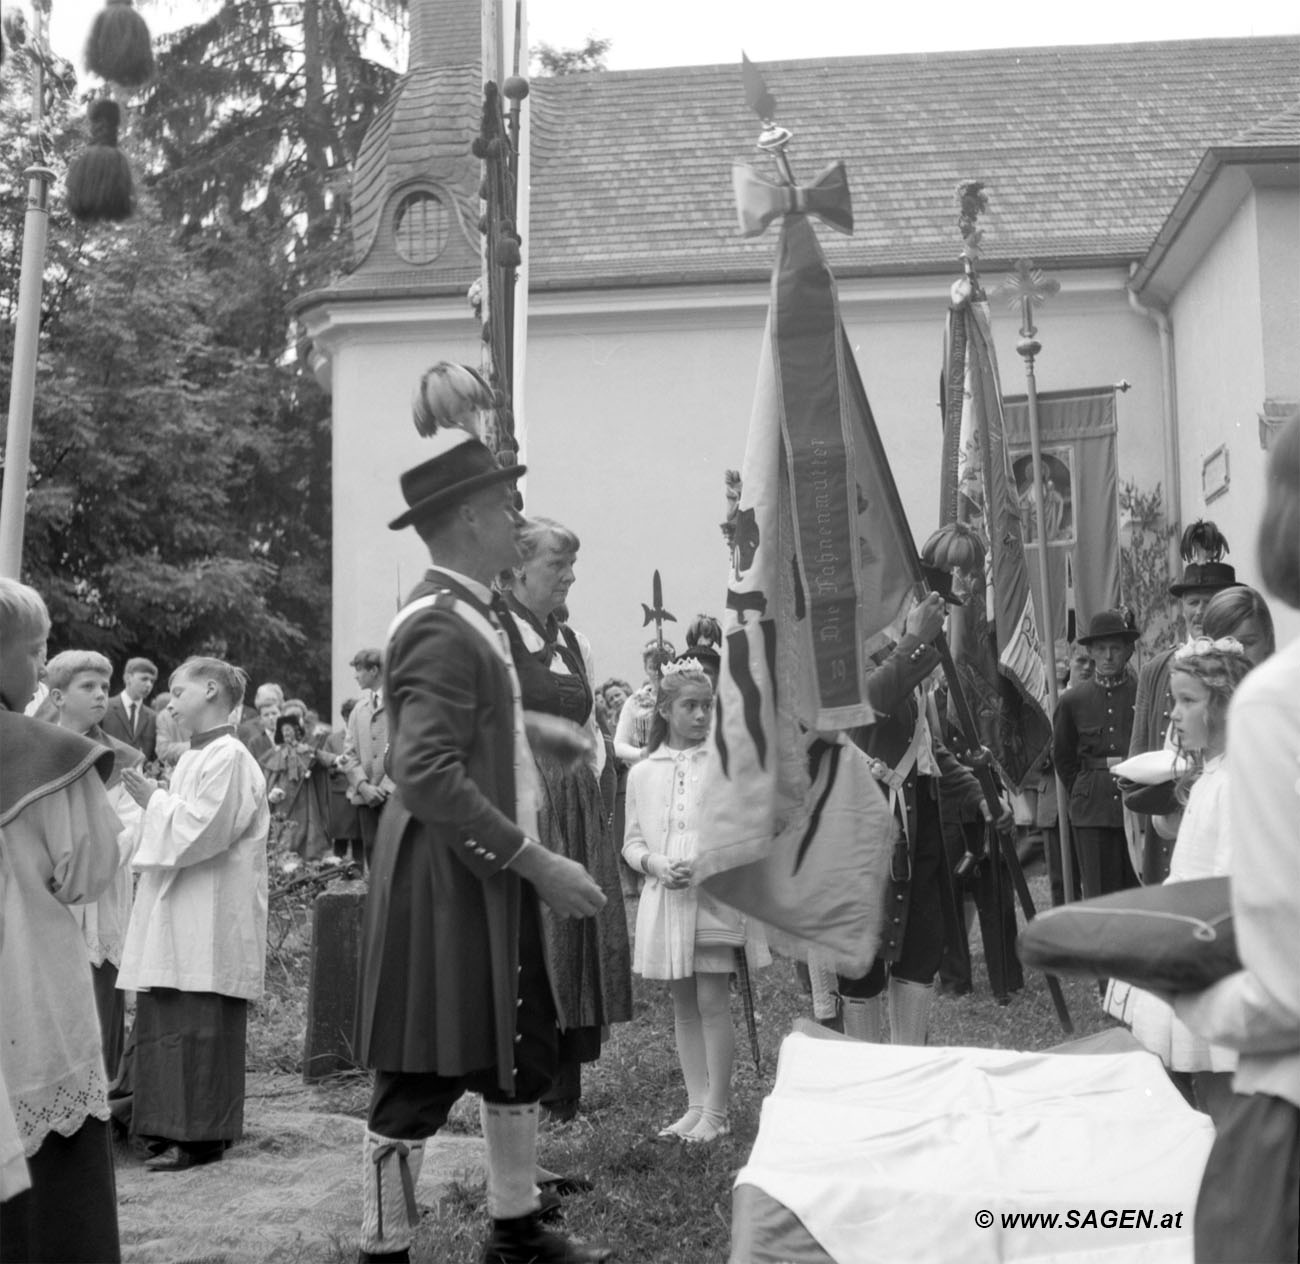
994,637
795,830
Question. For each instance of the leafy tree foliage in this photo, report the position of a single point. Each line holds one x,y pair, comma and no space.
548,60
180,484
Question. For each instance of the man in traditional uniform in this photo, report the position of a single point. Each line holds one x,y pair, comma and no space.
1090,735
456,993
1203,576
910,762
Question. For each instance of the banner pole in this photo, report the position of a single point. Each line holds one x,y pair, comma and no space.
1029,347
981,767
27,331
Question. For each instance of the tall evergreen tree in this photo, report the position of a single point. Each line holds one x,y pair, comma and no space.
180,489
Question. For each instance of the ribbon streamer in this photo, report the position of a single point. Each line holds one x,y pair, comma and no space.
408,1185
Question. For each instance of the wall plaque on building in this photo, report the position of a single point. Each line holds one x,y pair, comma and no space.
1214,474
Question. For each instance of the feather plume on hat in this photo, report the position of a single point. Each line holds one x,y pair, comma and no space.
1203,542
448,396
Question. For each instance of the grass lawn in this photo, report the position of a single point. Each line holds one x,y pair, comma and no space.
660,1204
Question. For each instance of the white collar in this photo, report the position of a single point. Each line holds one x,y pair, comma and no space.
481,591
664,751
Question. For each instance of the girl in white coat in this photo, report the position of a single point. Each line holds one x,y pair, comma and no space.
663,798
1203,676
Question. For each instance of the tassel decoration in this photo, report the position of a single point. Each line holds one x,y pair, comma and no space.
99,180
449,395
119,47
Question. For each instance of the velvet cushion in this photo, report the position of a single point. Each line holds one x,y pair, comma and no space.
1177,937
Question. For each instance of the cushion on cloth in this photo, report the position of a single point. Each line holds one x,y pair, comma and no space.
1172,938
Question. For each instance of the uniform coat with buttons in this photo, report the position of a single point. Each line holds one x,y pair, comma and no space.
1093,724
1151,715
891,691
440,938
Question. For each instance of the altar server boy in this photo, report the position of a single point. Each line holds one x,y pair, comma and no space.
58,849
196,945
78,692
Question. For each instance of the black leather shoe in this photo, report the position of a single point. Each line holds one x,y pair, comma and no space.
560,1111
178,1159
526,1241
566,1185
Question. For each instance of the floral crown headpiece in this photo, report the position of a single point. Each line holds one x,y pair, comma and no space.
1203,645
682,665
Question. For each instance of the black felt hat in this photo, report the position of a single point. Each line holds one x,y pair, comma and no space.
463,467
1214,576
1109,623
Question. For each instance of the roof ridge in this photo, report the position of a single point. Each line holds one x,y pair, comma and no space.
956,54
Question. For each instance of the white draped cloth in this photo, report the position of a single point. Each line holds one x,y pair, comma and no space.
890,1152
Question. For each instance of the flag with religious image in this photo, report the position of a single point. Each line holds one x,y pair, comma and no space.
994,636
795,829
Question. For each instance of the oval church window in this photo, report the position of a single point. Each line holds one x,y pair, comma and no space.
420,227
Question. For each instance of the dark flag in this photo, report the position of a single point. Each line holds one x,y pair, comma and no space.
994,636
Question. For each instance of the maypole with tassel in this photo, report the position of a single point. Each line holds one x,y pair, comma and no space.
27,330
99,187
502,132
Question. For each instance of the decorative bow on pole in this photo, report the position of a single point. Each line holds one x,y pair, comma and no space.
759,200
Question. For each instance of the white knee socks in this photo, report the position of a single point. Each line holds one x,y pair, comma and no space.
511,1134
389,1172
695,1071
823,981
720,1056
864,1017
909,1011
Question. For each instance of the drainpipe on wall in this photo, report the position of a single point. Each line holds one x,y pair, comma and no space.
1169,418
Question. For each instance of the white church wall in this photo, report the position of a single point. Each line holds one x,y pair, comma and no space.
1220,346
637,402
634,416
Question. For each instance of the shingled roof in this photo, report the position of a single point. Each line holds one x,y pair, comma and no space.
1281,129
1084,150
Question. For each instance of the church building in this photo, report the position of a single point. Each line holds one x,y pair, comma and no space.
1159,183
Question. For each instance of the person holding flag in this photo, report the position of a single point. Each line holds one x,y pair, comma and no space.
826,628
911,763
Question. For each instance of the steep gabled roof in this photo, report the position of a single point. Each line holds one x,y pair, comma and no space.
1084,151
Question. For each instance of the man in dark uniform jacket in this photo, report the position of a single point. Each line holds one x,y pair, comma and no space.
1201,580
1090,735
910,761
455,992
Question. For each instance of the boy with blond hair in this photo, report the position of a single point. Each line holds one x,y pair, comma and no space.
195,948
78,682
58,850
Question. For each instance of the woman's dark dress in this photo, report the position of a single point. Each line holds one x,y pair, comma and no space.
590,957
